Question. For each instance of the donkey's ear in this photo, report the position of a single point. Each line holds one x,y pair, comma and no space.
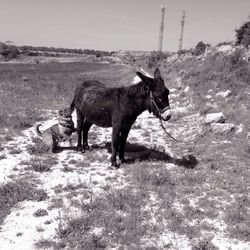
147,80
157,74
143,77
60,112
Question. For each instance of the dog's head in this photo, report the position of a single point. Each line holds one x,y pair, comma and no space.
66,113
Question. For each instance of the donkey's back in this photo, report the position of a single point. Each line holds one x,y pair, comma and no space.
87,86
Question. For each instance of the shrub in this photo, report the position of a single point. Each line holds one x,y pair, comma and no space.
40,212
9,51
155,57
200,48
243,35
37,146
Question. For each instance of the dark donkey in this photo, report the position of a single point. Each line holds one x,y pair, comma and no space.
118,108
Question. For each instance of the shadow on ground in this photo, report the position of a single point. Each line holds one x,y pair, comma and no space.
136,152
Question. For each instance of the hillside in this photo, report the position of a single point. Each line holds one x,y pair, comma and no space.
192,194
224,68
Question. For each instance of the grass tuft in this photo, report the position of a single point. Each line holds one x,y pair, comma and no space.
14,192
40,164
40,213
37,146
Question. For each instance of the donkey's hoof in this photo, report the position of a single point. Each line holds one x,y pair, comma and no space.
80,149
124,161
86,147
114,165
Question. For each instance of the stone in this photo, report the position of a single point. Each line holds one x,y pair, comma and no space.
214,117
224,94
178,83
225,128
187,89
25,79
248,136
239,129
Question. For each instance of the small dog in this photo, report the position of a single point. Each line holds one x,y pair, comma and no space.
58,132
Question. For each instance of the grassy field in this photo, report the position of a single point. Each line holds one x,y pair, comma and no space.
164,200
28,89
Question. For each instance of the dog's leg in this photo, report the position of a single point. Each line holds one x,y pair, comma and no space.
68,138
50,143
70,142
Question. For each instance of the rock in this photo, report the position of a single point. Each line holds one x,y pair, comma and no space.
239,129
219,128
25,79
214,117
248,136
224,94
186,89
178,83
226,48
172,90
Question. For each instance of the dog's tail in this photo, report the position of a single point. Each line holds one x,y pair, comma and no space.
38,132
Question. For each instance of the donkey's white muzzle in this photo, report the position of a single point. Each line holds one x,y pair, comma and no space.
165,114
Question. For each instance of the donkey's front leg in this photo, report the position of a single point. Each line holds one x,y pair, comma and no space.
115,145
79,129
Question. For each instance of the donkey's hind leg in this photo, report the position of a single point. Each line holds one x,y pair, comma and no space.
79,128
86,128
123,139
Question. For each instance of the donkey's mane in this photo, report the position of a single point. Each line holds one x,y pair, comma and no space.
137,90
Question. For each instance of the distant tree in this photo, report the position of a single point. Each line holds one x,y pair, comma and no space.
9,43
243,34
9,50
155,57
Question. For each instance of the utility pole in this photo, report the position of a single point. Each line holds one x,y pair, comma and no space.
182,31
163,9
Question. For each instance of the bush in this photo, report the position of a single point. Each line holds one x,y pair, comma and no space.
200,48
9,51
243,35
155,57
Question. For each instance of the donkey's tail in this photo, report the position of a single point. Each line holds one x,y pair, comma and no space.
38,132
72,105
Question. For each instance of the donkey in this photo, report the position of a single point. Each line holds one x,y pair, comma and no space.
118,108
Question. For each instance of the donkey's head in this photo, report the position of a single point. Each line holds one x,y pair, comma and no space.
157,101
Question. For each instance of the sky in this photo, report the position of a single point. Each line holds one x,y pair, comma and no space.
119,24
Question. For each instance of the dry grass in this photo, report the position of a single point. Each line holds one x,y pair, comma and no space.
40,164
117,213
37,147
44,244
49,87
14,192
40,213
130,216
189,199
